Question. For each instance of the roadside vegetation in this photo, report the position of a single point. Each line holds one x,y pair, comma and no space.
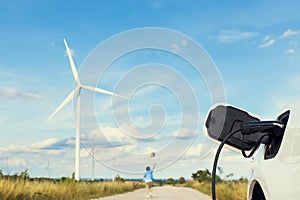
226,188
21,187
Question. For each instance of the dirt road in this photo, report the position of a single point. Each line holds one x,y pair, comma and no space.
162,193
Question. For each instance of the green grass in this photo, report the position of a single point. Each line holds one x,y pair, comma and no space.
226,190
23,190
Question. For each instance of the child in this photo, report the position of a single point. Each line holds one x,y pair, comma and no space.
148,178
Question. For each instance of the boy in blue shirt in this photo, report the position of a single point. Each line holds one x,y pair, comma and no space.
148,179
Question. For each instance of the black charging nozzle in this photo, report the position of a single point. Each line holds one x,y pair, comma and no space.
252,130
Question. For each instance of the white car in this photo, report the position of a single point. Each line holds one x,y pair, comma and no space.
274,147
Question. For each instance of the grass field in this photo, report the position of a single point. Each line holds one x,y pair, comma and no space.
226,190
44,190
21,187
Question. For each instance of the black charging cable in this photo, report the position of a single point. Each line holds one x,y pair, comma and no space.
213,181
255,146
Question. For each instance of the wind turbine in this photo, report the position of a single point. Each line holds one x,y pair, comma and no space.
77,91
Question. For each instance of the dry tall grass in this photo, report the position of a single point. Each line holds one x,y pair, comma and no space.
22,190
227,190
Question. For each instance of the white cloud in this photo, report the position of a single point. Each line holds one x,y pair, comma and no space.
16,162
195,151
293,43
267,38
267,44
47,147
289,33
44,144
179,47
53,152
185,133
290,51
226,36
108,137
103,137
12,93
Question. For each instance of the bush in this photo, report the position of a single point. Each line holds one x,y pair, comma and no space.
204,176
119,179
170,181
243,179
181,180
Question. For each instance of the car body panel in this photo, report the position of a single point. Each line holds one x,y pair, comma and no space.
279,176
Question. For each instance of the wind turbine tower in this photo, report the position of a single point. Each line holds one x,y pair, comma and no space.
77,91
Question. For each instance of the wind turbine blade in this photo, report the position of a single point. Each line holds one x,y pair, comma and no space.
74,71
69,97
102,91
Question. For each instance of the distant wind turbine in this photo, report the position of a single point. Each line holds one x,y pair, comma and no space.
77,120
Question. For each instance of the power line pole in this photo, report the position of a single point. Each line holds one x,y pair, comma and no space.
93,162
7,165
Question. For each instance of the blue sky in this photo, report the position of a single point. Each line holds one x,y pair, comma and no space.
255,46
